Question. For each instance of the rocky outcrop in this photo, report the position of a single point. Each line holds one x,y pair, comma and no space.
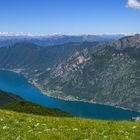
127,42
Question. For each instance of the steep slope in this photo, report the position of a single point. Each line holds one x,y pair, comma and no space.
109,74
7,98
24,106
9,101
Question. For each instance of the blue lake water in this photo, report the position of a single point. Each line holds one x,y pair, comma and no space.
17,84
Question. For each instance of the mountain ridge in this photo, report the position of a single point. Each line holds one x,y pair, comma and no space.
108,72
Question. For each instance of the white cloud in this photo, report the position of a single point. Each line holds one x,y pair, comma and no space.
30,34
135,4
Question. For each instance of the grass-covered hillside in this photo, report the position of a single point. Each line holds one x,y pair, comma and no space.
11,102
21,126
6,97
22,120
32,108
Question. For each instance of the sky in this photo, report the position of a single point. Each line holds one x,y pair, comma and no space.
70,16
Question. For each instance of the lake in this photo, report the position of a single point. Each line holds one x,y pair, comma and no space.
18,84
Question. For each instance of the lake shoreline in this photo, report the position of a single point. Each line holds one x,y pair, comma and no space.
76,100
44,92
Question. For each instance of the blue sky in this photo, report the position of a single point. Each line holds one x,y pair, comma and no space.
69,16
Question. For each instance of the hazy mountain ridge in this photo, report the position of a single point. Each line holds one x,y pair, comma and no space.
52,39
26,55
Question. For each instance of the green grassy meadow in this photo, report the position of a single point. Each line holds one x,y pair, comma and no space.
22,126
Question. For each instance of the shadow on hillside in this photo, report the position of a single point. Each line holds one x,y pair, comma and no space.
35,109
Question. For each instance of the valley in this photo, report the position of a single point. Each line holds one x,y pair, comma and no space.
98,72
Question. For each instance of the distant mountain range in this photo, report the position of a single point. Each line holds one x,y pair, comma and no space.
29,56
55,39
102,72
